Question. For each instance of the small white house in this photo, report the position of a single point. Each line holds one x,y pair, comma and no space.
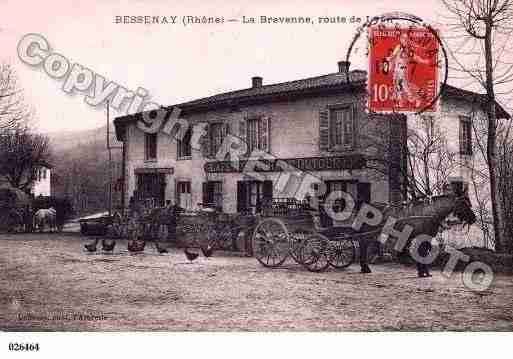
42,185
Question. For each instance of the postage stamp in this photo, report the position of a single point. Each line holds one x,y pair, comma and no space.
403,71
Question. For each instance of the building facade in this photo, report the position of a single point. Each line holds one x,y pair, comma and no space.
316,126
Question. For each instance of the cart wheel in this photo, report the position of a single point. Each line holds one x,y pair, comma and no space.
298,239
315,253
342,253
271,245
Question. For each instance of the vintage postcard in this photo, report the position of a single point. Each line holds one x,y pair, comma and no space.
240,166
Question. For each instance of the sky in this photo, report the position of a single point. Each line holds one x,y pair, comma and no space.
177,63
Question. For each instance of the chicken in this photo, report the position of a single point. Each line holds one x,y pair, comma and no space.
136,245
108,245
91,247
207,252
160,249
190,255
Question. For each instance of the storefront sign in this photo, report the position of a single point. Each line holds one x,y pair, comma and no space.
154,170
308,164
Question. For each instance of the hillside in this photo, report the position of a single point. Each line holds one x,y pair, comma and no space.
81,168
65,140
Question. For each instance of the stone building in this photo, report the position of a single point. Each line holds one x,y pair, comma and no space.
315,125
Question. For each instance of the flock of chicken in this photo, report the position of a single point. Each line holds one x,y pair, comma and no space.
137,246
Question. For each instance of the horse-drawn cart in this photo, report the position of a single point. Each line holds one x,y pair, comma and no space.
288,227
206,227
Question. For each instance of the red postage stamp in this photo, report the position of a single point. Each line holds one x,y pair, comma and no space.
403,69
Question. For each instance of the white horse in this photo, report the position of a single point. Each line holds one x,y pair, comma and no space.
45,217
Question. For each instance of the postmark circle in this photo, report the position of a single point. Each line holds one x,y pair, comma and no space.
415,23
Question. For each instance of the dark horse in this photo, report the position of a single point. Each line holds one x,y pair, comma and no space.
424,217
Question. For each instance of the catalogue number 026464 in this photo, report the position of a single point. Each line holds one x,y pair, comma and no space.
24,347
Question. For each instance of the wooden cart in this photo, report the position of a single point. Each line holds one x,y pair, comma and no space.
288,227
200,228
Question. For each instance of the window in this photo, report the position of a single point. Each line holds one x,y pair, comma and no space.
332,186
217,135
459,186
363,194
254,129
150,146
257,136
184,145
465,136
337,206
43,170
251,195
341,128
151,188
184,194
213,193
429,126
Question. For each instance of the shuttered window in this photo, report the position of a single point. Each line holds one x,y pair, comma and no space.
341,123
217,134
324,131
184,145
184,197
213,193
337,128
465,135
256,133
150,146
253,131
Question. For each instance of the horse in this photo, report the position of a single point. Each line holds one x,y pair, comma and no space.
424,218
45,217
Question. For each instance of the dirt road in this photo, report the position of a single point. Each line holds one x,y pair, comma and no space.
47,282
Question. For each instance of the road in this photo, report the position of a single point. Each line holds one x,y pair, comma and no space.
47,282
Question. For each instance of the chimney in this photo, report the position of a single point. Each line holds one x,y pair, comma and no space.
256,81
343,66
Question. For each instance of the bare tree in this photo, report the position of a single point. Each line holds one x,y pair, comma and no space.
430,160
81,173
505,170
425,159
23,153
13,108
483,28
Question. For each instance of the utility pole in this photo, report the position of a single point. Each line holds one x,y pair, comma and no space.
110,148
110,160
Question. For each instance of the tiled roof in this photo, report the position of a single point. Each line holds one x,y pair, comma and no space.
455,92
333,80
287,90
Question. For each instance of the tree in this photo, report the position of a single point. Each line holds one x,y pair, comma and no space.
13,108
23,153
505,171
81,173
430,160
483,28
424,160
